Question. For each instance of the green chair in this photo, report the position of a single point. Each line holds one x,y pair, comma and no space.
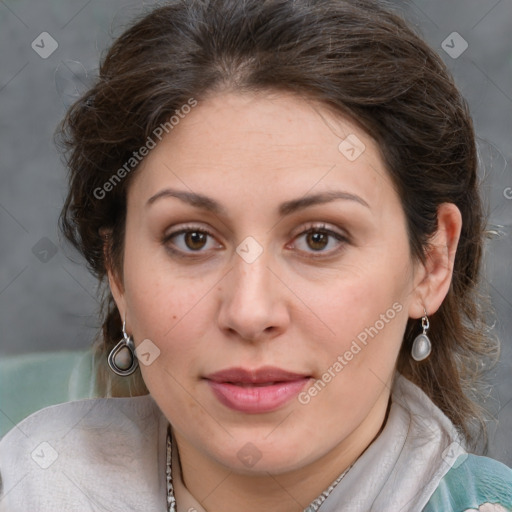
30,382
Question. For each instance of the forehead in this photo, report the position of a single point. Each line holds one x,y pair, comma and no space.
264,143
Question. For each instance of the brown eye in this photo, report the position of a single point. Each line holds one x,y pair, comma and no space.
195,240
320,240
317,240
189,240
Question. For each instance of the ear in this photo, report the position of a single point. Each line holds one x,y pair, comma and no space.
432,279
115,283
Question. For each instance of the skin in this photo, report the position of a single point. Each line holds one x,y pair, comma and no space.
298,306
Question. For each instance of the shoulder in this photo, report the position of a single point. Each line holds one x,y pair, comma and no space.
125,416
66,453
474,483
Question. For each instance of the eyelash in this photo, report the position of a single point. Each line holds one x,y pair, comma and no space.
313,228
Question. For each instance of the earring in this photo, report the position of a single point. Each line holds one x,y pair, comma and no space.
122,359
421,346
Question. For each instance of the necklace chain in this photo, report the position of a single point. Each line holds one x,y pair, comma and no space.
171,500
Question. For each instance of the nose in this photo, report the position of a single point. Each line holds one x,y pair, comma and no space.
253,303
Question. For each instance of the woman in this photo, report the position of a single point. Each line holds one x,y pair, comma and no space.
282,197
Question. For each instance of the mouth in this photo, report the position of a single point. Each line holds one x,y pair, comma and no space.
256,391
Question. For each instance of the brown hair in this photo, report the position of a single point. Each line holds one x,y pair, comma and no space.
355,57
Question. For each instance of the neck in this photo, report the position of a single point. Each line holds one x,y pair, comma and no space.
220,489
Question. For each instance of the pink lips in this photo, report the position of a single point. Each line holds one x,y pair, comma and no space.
262,390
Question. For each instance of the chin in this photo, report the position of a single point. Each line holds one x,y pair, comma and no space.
253,455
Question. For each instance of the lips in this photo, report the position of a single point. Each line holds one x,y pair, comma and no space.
256,391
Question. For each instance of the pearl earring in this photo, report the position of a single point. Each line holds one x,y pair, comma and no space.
122,359
421,346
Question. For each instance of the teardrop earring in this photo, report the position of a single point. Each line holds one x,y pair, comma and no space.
421,346
121,359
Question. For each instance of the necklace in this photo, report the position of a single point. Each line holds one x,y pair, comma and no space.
171,500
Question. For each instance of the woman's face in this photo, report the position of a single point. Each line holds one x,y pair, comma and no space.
263,241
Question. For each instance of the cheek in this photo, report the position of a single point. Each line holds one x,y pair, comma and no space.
366,313
358,299
355,365
163,307
169,314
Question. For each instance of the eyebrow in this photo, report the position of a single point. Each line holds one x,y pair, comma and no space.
286,208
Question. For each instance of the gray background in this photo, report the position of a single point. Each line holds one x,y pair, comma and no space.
47,298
